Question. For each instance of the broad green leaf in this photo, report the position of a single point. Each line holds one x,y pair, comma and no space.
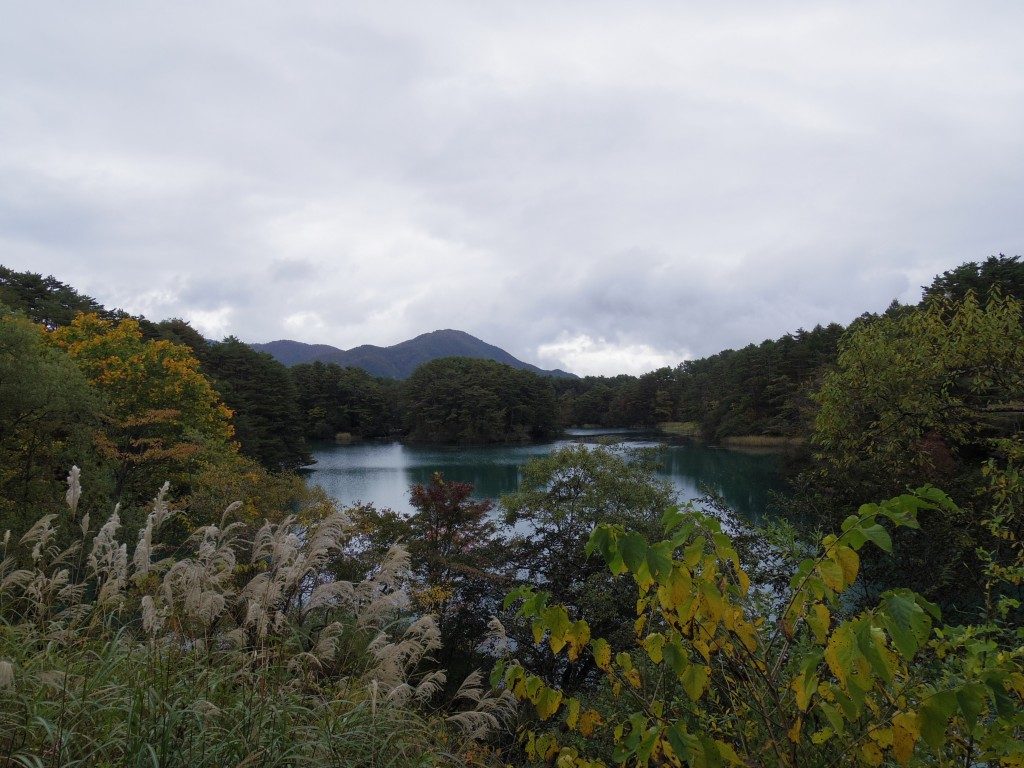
879,536
693,553
695,680
871,643
675,656
650,738
685,745
653,644
934,713
634,551
659,561
971,699
548,702
556,620
908,625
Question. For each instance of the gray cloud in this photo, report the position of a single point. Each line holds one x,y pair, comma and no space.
596,184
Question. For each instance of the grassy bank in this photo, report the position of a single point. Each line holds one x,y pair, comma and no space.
691,429
680,428
761,441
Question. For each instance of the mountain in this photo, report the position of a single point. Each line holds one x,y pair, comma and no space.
399,360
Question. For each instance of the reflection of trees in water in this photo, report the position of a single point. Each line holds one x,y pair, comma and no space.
744,480
489,480
384,474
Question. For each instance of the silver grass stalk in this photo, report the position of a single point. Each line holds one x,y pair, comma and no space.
488,713
74,490
161,512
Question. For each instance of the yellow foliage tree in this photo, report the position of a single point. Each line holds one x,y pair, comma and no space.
164,419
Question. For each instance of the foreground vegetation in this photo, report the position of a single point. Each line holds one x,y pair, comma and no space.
230,650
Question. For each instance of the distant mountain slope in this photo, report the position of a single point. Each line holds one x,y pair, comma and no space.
399,360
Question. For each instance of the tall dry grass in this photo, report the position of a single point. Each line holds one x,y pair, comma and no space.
237,650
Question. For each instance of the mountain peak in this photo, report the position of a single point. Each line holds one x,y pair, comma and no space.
398,361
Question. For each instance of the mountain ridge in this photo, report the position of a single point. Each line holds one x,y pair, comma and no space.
398,361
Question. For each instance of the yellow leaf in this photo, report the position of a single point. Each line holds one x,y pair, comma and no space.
881,736
589,720
639,624
548,702
602,653
744,581
849,561
818,619
577,637
906,730
726,751
841,653
746,632
804,689
695,680
677,591
871,754
633,677
538,632
832,574
794,730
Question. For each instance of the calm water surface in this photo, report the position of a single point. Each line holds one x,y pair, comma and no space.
381,473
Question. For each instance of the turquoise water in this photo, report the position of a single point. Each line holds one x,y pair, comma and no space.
381,473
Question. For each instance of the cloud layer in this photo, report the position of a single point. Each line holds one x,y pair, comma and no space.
604,187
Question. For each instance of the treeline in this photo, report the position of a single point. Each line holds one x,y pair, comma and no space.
275,410
449,400
762,389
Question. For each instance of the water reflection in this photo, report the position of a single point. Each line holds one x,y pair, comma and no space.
382,473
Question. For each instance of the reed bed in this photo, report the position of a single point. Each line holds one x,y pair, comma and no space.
235,650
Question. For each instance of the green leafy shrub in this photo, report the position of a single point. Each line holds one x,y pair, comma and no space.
709,679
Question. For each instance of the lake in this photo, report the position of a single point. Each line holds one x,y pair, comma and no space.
382,472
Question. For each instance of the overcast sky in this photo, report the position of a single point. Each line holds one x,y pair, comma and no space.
602,187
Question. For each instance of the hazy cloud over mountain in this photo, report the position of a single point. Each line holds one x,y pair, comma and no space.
602,187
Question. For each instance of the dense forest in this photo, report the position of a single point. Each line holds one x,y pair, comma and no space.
173,593
763,389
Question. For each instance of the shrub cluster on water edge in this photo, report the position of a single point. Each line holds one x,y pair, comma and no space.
233,651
